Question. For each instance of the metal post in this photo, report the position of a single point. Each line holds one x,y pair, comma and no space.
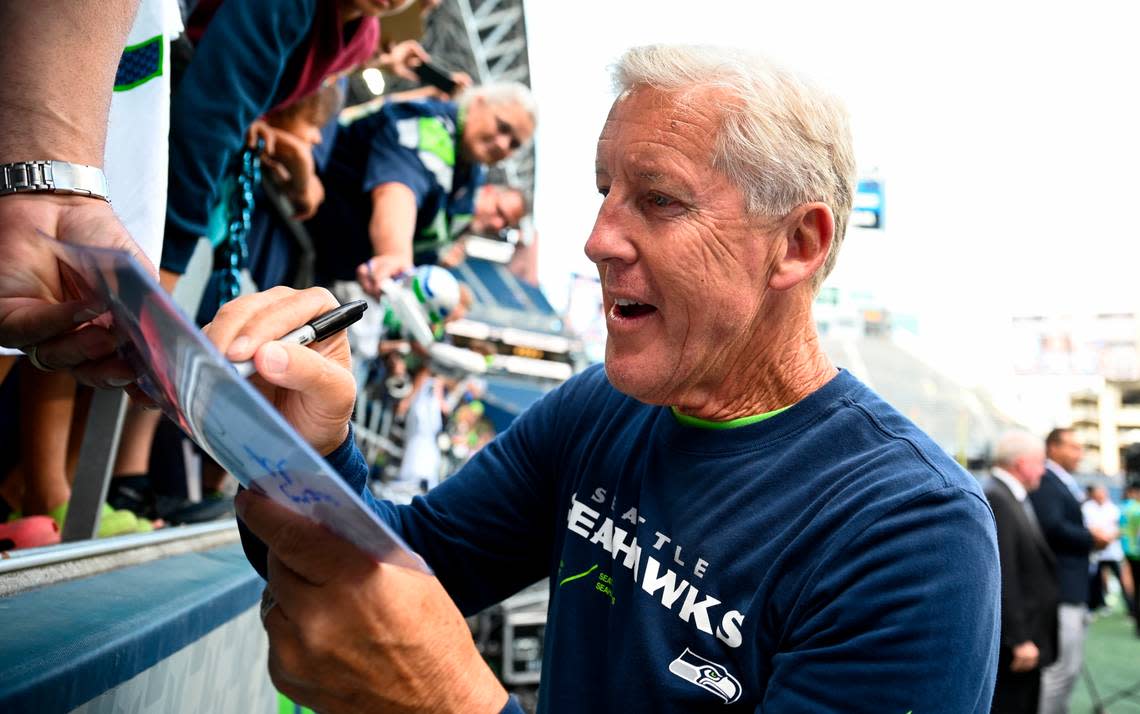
96,459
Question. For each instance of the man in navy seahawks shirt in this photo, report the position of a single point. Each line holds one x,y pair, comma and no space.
727,520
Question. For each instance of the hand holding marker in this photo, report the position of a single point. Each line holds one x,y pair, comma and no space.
317,329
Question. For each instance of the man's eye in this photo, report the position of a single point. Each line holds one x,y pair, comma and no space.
660,201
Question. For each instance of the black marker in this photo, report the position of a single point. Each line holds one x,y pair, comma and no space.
317,329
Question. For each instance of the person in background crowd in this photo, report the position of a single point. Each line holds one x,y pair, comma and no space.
426,411
1102,514
1028,575
723,516
292,132
1130,535
497,208
1057,503
469,430
401,182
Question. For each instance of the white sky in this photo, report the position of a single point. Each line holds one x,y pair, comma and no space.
1007,134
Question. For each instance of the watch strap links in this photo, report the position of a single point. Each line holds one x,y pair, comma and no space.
55,177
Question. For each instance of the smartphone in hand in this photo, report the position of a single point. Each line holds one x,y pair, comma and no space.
431,75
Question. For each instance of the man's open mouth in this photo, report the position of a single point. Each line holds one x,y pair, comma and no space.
630,309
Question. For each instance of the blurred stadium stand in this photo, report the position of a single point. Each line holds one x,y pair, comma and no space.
513,322
502,299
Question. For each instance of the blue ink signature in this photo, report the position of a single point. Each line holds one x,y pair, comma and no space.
285,482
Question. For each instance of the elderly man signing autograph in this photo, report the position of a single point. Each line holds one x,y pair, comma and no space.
726,519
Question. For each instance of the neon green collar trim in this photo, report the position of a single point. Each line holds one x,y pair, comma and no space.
687,420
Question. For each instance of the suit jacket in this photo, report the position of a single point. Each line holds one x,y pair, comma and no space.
1028,576
1060,516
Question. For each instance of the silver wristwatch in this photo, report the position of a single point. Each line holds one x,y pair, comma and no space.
53,176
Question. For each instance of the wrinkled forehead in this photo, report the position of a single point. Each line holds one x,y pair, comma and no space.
662,138
697,106
684,119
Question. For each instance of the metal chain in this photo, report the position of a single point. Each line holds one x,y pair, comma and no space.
235,249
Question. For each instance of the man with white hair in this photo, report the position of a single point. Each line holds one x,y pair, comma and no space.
1028,575
724,517
402,181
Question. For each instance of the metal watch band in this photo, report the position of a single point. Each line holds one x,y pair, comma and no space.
55,177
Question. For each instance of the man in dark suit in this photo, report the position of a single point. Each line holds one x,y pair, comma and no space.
1058,506
1028,575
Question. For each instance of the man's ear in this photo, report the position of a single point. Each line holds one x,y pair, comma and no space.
808,232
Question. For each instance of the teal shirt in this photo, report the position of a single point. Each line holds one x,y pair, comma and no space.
1130,528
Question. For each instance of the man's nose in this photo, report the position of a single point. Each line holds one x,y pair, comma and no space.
610,240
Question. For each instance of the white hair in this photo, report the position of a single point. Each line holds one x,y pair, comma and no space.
1014,444
783,142
499,94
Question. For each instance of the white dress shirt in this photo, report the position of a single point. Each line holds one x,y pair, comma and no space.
1009,480
1067,479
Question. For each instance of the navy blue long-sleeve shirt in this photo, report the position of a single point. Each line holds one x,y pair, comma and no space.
829,559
